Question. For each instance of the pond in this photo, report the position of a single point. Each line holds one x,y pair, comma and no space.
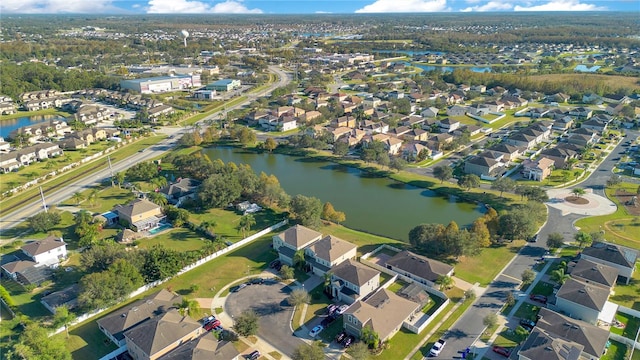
7,126
372,204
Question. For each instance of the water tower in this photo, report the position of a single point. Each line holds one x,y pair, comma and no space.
185,35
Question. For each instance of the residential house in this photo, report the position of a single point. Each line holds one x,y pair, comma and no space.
7,108
293,239
595,125
590,271
518,101
161,334
337,133
46,252
479,88
416,135
563,123
583,300
536,112
66,297
559,97
616,99
545,345
483,166
182,190
140,214
509,152
591,98
449,125
437,141
46,150
412,149
344,121
371,127
495,106
309,116
456,110
352,281
581,112
4,146
26,156
154,113
583,137
204,348
72,143
560,156
9,162
384,312
430,112
478,110
287,123
522,140
25,272
419,268
537,170
116,323
617,256
328,252
592,338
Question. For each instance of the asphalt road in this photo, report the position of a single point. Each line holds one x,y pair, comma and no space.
268,301
10,220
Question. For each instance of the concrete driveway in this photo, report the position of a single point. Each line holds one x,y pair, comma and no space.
269,302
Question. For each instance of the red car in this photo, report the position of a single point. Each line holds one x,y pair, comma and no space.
209,326
502,351
538,298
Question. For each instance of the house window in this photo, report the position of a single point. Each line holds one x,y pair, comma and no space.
350,318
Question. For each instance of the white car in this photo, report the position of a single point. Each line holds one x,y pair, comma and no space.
437,347
342,309
316,330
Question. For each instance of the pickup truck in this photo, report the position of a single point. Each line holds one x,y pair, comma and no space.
437,347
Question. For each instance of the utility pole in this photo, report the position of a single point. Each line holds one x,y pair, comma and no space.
44,204
110,170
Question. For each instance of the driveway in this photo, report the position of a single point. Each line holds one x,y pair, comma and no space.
268,301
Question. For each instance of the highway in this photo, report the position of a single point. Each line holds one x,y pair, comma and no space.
10,220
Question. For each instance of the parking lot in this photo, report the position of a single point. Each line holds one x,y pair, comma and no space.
269,302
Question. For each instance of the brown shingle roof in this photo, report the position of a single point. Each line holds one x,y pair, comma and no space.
330,248
595,272
354,272
158,333
42,246
136,207
299,236
590,295
420,266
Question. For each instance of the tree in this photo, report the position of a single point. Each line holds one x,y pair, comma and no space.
307,210
270,144
398,163
286,272
442,173
521,334
298,259
555,240
340,148
583,239
160,263
77,197
63,317
219,190
490,320
187,306
445,282
370,337
44,220
614,180
144,171
359,351
245,224
92,196
528,276
86,229
330,214
578,192
503,184
246,324
309,352
34,343
299,297
384,160
559,276
510,300
469,181
119,178
177,216
157,198
368,155
469,294
597,236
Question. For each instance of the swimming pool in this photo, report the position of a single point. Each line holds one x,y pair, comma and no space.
161,227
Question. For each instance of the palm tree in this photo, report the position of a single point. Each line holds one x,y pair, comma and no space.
246,222
298,259
77,197
157,198
327,280
187,306
559,276
119,178
207,226
159,182
445,282
92,197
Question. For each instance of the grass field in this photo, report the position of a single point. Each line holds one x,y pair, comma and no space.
477,269
21,113
631,326
612,81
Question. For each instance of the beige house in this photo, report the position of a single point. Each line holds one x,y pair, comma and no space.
328,252
384,312
159,335
293,239
351,281
419,268
140,214
537,170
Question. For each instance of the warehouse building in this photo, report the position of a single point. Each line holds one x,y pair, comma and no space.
161,84
224,85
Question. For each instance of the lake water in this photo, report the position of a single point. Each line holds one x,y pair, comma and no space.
376,205
584,68
478,69
408,52
7,126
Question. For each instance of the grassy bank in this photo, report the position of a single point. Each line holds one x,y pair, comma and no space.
22,113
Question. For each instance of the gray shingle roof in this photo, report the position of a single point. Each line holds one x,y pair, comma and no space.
42,246
543,345
590,295
354,272
612,253
299,236
595,272
159,332
593,338
420,266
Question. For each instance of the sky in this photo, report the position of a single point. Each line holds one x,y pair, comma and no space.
306,6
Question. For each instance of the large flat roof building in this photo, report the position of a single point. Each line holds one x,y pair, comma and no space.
224,85
161,83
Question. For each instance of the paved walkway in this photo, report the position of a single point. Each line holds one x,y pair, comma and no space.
597,205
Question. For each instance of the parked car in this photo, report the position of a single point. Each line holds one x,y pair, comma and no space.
274,264
538,298
341,337
342,309
254,355
212,325
327,321
526,323
238,287
316,330
331,308
534,238
502,351
437,347
348,341
208,319
257,280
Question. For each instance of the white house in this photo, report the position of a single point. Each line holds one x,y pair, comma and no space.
293,239
46,252
328,252
583,301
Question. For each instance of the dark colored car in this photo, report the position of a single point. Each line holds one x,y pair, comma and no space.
538,298
274,264
327,321
257,281
348,341
238,287
502,351
526,323
341,337
254,355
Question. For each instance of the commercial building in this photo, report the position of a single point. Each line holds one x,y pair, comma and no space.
161,84
224,85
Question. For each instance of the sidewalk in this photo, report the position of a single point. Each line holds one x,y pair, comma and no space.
433,331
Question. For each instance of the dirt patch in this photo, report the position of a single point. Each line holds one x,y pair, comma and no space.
576,200
625,199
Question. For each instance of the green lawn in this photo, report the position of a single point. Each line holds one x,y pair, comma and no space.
631,326
478,269
628,295
226,222
107,198
180,239
365,242
318,304
616,351
527,311
396,286
543,288
23,231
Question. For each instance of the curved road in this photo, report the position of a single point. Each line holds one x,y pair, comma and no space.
10,220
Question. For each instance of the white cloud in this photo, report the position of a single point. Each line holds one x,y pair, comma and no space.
560,5
490,6
198,7
408,6
57,6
